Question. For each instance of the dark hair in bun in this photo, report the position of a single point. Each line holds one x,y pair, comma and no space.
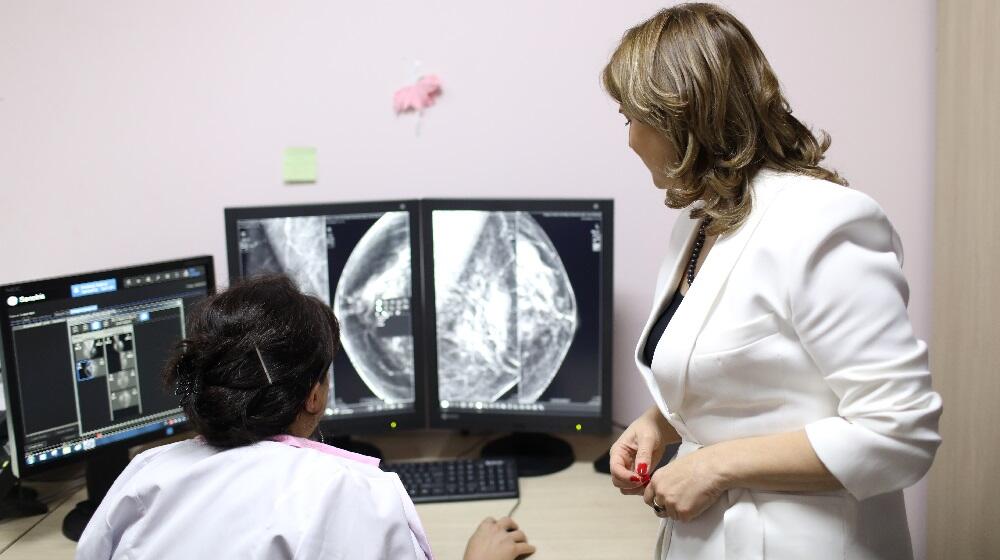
222,384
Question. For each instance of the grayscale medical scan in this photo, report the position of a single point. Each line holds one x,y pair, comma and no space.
360,265
505,306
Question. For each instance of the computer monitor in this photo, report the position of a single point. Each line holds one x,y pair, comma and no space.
82,358
519,314
362,259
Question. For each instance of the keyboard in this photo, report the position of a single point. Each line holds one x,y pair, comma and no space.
457,479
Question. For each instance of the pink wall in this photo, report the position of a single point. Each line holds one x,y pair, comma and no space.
126,127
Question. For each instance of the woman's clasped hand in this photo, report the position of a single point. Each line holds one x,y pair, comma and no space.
682,489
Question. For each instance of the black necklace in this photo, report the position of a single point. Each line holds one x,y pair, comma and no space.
699,242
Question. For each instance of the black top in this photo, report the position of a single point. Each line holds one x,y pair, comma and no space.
661,325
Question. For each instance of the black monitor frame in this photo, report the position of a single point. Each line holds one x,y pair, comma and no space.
61,286
525,422
369,424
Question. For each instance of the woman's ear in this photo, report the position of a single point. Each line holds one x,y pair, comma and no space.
316,401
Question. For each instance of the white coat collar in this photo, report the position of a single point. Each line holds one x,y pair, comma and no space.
670,360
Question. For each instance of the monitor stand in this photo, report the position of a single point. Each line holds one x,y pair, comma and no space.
103,468
536,454
347,443
21,501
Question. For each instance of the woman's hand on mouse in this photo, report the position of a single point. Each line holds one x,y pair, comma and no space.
497,539
638,450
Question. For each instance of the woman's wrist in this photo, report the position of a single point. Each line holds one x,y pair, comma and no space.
668,434
654,414
723,466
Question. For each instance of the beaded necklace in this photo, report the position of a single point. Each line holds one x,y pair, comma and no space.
699,242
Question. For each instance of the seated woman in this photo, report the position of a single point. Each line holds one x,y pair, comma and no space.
252,379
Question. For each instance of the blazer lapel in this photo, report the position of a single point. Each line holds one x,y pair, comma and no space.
677,253
670,361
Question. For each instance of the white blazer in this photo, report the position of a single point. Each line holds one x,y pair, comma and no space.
797,320
269,500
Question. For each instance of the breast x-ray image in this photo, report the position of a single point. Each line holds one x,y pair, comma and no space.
506,312
372,303
293,246
360,265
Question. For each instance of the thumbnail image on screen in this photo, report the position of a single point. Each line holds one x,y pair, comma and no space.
517,306
360,265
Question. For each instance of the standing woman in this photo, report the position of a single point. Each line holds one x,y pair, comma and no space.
778,350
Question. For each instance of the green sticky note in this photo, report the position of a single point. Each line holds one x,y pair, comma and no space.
300,165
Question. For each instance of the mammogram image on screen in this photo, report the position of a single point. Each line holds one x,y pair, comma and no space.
372,292
506,311
372,302
293,246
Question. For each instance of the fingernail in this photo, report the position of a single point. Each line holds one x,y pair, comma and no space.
635,479
643,468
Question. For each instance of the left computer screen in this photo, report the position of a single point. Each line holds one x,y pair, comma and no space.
84,356
358,259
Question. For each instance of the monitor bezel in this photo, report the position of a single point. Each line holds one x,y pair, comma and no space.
11,375
507,422
378,423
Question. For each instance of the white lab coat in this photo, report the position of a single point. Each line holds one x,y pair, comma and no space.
797,320
268,500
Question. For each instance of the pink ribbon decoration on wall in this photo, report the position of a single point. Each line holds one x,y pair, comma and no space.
418,96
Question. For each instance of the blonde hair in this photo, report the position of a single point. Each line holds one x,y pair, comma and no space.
694,73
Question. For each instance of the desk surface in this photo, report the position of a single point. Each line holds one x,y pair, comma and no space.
575,513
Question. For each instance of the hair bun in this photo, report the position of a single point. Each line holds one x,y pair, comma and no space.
220,380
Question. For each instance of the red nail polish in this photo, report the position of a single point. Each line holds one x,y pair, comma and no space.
643,468
635,479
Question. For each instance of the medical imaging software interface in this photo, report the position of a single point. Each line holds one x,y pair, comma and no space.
517,306
360,265
90,365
